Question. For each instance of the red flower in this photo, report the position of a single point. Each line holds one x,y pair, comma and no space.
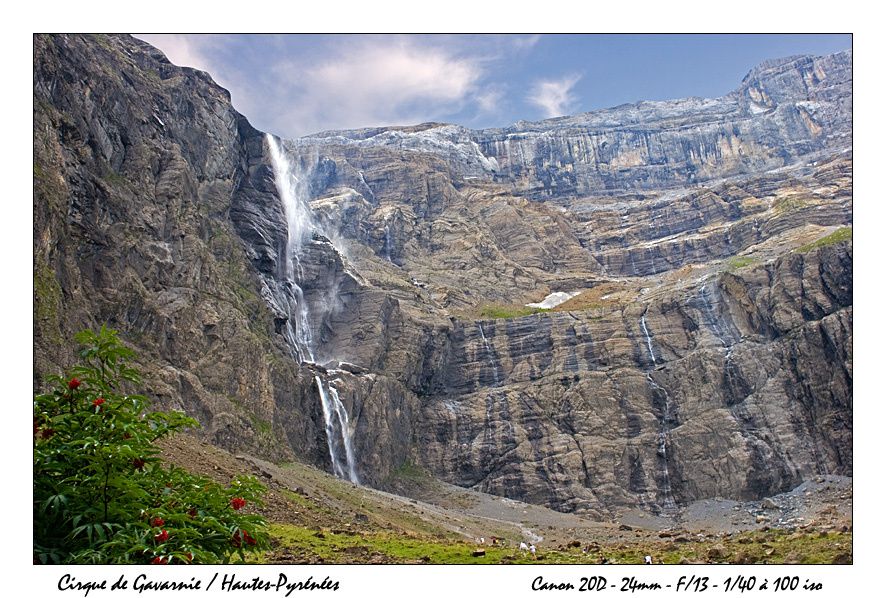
159,560
73,383
237,503
162,536
192,512
157,522
240,536
98,402
139,464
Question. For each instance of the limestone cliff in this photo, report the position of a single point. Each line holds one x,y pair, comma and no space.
707,352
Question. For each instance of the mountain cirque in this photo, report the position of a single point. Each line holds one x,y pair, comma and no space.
708,352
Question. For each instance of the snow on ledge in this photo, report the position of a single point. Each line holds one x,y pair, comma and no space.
554,299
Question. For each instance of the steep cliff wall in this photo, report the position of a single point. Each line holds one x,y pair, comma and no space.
708,352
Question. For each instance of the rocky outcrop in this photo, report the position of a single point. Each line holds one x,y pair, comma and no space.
708,352
131,229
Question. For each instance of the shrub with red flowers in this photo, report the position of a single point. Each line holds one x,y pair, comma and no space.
102,494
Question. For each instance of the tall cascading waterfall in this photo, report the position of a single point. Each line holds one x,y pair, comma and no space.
665,425
293,189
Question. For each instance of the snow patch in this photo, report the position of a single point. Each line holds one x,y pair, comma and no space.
554,299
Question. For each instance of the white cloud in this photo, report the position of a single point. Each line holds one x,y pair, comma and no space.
378,82
554,96
489,100
294,86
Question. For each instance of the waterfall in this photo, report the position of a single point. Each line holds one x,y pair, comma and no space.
490,355
366,185
292,186
339,436
664,428
293,190
663,432
331,434
726,334
387,241
347,434
648,338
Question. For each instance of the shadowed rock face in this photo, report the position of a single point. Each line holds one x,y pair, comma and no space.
709,352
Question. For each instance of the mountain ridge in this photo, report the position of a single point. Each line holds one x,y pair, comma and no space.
524,124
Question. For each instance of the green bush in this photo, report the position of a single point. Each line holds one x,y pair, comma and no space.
102,494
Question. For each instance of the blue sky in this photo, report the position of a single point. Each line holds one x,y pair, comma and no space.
294,85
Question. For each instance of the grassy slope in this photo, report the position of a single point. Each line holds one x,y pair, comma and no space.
316,518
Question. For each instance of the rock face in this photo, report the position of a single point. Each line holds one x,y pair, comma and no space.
681,398
708,352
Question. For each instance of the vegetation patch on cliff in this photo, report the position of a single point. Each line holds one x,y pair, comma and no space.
47,302
501,312
838,236
738,262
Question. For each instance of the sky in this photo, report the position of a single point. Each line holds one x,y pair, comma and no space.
294,85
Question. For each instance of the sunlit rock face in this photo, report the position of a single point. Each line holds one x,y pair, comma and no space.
705,348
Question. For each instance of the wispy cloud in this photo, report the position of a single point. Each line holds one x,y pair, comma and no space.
525,42
296,85
554,96
381,82
489,100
